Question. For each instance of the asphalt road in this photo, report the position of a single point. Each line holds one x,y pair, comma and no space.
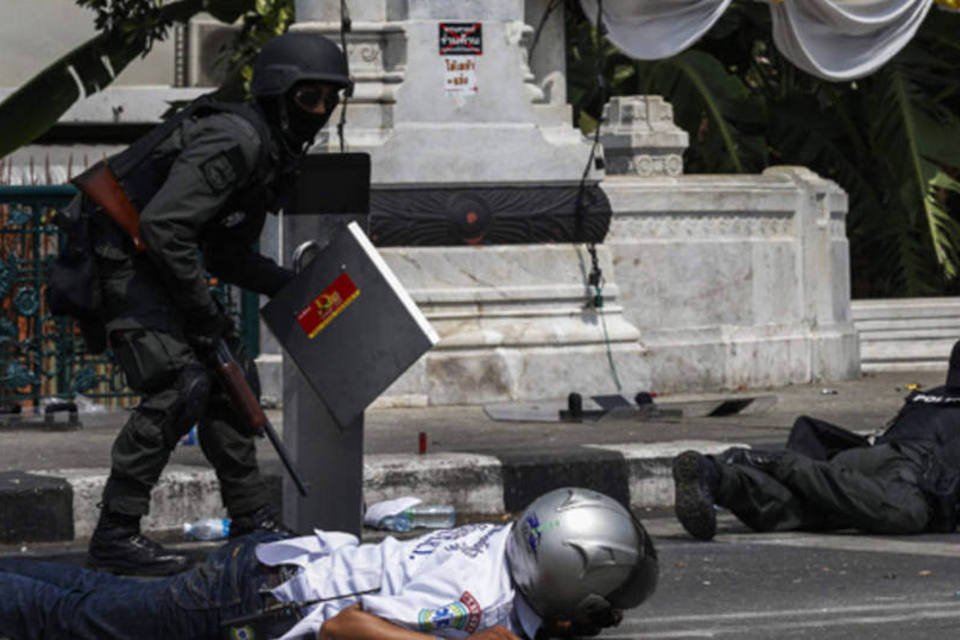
749,586
800,585
864,403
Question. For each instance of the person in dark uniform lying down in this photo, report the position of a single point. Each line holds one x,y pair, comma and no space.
906,480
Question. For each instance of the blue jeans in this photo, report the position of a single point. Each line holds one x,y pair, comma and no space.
51,600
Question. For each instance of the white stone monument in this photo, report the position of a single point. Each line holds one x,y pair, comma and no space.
732,281
436,103
456,123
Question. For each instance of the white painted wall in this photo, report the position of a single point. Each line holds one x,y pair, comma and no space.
34,33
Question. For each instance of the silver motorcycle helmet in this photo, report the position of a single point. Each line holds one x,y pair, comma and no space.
575,552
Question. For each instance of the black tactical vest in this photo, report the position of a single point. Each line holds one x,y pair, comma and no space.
143,173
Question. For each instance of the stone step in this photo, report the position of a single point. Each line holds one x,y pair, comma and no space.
903,351
897,308
907,324
907,333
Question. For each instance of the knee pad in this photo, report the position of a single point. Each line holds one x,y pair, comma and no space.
194,387
193,391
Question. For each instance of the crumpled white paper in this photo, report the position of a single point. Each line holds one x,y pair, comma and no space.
377,511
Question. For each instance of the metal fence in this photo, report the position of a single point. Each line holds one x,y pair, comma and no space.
43,356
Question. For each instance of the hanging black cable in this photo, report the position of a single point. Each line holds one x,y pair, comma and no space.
345,26
595,278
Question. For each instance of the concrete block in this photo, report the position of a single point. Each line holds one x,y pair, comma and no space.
529,474
35,508
471,482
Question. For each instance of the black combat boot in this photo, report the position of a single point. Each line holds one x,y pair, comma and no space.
758,459
264,518
696,480
118,546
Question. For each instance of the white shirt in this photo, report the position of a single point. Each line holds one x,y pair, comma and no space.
448,583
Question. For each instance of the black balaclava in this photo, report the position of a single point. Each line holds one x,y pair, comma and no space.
303,125
953,372
295,127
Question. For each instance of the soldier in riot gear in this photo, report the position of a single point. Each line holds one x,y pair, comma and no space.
906,480
203,184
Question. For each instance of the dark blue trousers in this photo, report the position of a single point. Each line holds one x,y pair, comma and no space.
51,600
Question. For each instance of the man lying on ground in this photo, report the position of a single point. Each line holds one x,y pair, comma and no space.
568,567
905,481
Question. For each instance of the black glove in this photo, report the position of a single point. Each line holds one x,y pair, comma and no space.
279,280
205,330
591,622
591,616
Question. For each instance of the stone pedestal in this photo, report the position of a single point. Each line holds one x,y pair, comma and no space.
496,158
515,322
640,138
735,280
422,130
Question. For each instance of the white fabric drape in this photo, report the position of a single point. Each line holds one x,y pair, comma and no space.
653,29
845,39
832,39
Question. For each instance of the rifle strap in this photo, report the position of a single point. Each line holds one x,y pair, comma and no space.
129,159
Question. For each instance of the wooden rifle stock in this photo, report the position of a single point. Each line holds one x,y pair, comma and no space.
101,185
239,389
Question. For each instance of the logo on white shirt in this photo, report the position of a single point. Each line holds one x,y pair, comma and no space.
464,614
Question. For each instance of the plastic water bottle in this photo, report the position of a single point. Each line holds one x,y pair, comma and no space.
207,529
398,522
421,516
190,438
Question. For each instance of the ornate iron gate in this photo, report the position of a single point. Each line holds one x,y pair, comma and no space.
43,356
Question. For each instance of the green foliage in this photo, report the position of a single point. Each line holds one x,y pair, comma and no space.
262,21
28,112
129,28
716,105
135,23
891,140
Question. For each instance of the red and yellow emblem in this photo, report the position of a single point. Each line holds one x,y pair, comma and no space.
328,305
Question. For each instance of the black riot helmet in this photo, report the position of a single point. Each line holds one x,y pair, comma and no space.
295,57
953,372
288,63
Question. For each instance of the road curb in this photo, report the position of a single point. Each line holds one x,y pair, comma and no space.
475,484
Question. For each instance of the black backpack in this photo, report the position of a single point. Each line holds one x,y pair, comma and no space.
72,285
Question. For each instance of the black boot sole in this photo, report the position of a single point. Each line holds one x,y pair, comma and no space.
693,508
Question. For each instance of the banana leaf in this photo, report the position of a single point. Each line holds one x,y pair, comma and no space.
37,105
917,144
